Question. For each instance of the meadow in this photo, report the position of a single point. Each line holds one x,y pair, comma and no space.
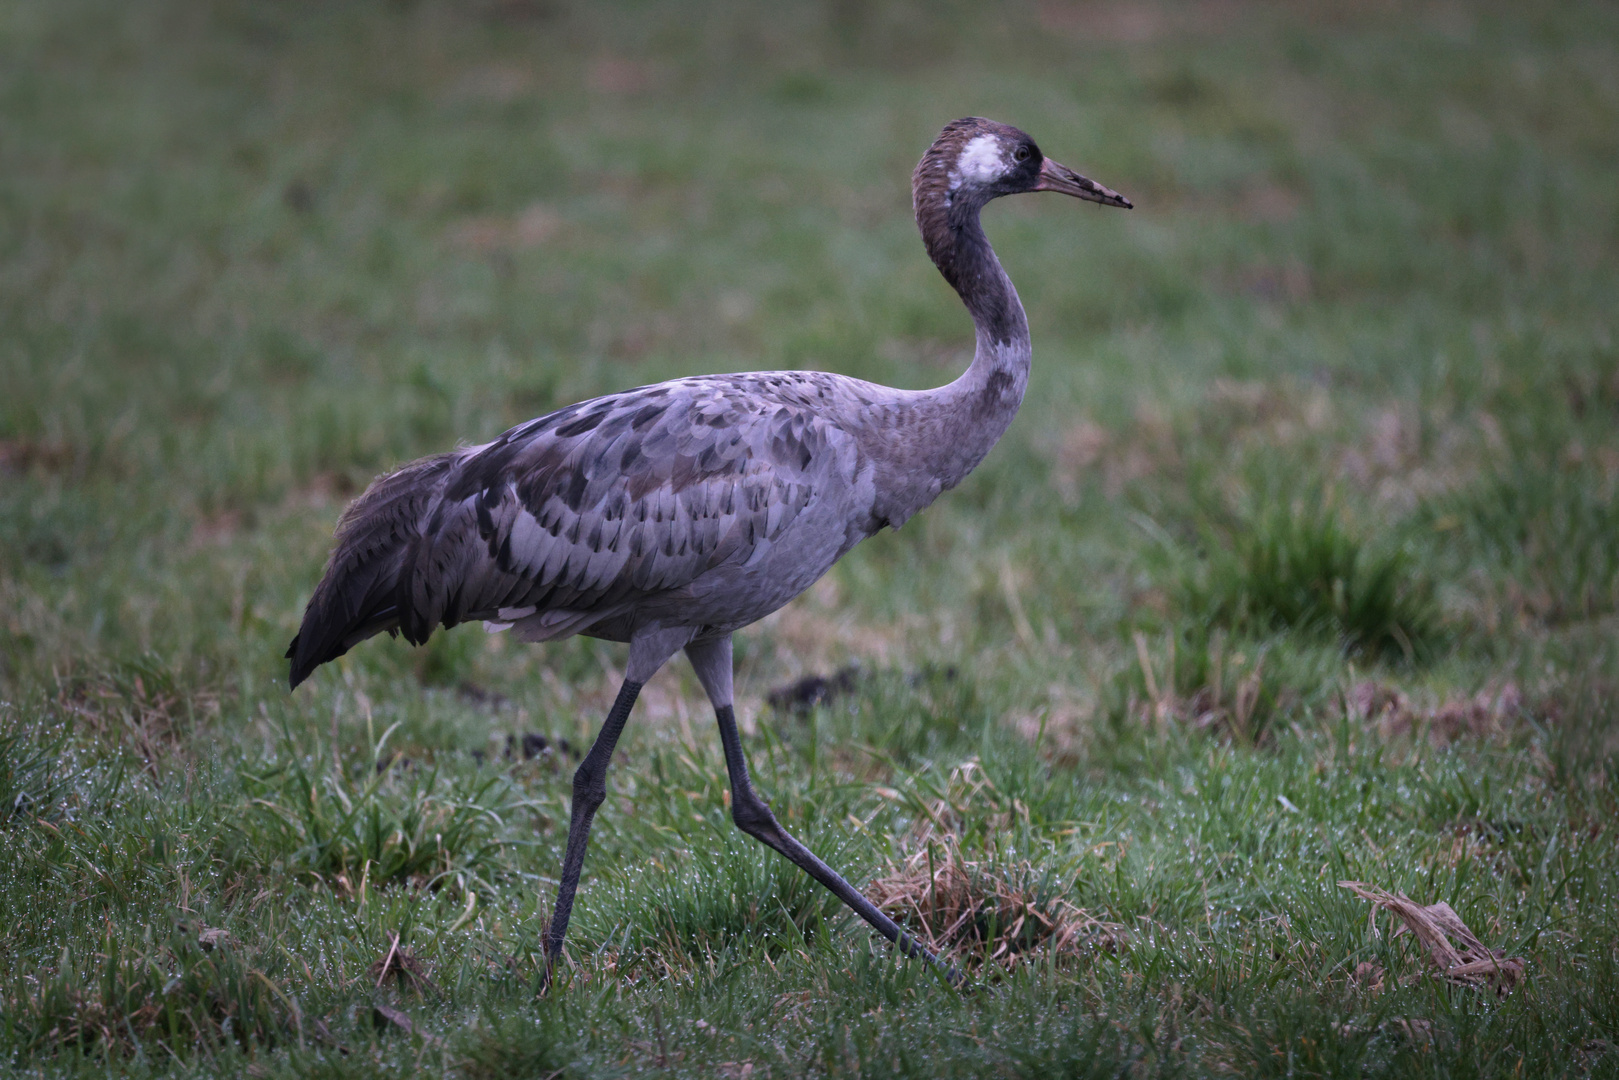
1299,566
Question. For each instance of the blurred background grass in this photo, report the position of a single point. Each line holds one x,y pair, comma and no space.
1318,464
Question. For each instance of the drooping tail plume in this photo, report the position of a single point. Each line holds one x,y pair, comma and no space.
360,593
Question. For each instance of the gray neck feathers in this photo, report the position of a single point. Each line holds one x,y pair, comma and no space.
941,435
983,401
956,242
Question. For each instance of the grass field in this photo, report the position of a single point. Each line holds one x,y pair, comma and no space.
1300,565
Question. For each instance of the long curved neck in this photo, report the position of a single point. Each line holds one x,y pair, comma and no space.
956,242
925,442
978,407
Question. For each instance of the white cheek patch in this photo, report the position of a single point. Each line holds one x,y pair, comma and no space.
979,163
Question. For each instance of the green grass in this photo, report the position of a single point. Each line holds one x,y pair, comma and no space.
1298,566
1295,567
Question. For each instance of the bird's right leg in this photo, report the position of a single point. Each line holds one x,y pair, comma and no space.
712,661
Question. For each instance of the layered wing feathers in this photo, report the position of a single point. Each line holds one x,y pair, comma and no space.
623,497
584,511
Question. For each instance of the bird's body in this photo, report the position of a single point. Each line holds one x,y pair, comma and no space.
670,516
704,503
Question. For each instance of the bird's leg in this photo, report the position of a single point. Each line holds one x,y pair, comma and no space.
648,651
752,814
589,791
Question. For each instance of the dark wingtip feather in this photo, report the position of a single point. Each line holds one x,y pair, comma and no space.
304,667
299,670
295,677
333,624
304,660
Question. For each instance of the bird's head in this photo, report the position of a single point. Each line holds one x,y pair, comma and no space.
975,160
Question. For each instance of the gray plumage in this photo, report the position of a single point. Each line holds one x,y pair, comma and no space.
708,502
670,516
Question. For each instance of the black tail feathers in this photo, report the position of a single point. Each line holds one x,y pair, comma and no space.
360,593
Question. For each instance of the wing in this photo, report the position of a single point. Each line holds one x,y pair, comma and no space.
596,506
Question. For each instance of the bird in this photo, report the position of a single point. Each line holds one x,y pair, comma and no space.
671,516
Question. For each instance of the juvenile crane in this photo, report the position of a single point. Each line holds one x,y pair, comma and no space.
671,516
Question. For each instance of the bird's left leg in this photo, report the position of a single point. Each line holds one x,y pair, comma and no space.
712,661
589,792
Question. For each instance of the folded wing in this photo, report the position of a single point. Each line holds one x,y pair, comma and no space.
570,518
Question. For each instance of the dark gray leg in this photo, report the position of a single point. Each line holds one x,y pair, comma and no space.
712,661
752,815
589,791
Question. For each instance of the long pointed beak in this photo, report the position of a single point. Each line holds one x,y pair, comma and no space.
1054,177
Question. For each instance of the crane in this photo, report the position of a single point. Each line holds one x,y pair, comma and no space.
671,516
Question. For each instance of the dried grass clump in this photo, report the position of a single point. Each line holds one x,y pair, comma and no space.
1455,950
1488,712
981,913
403,967
20,456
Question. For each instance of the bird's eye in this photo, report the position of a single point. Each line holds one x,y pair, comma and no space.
1021,154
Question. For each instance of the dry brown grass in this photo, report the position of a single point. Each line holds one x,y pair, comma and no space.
819,632
980,913
402,967
90,1020
1457,954
1488,712
1061,726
